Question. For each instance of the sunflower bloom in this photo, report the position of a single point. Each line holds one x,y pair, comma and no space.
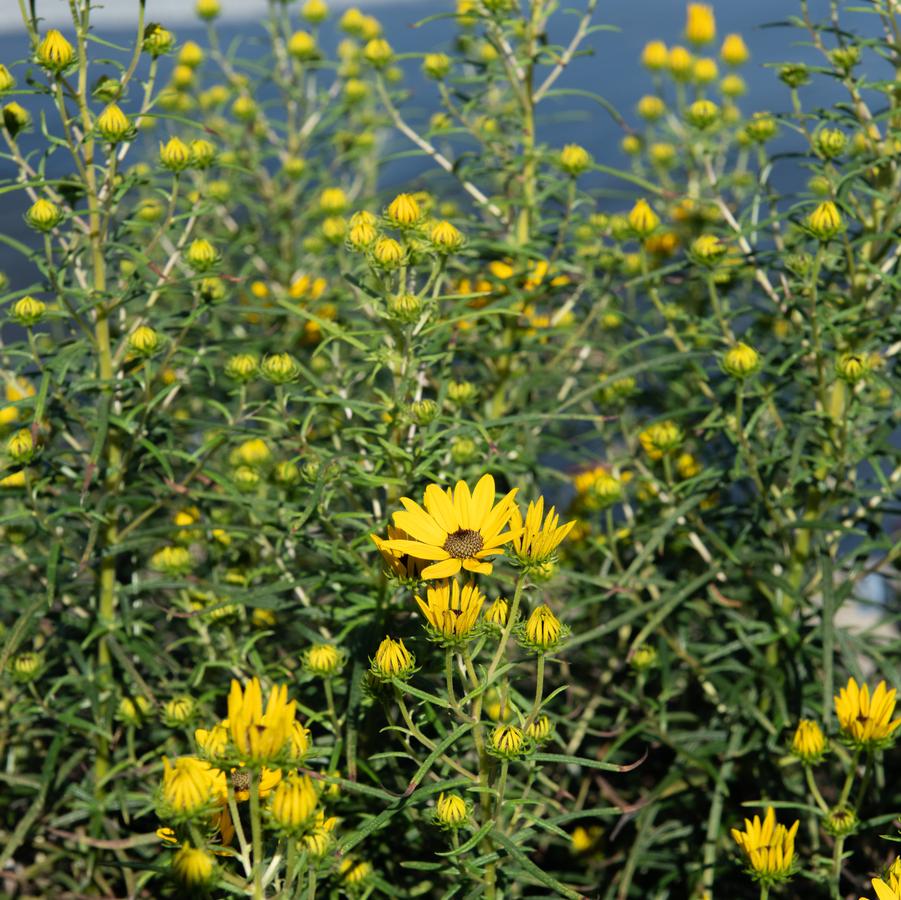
452,611
260,737
539,536
865,719
889,886
456,529
768,847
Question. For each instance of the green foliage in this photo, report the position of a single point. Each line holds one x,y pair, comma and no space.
237,354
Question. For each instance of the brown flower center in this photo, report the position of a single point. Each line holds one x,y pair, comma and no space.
241,780
464,543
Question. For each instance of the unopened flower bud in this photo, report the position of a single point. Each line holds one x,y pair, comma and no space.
20,447
809,742
7,81
392,660
113,124
28,311
702,114
175,155
302,46
280,368
54,52
436,65
643,220
852,367
574,159
207,9
144,341
324,660
450,810
315,11
741,361
157,40
241,367
201,255
26,666
734,51
43,215
825,222
378,52
506,741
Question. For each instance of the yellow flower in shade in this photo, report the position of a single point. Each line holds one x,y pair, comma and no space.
193,866
539,730
452,611
404,211
213,743
825,222
55,52
700,25
450,810
769,847
190,785
171,560
507,740
543,629
642,219
808,742
496,614
318,841
654,56
456,529
353,871
178,710
324,660
392,660
293,802
252,452
864,718
538,536
401,565
260,736
889,886
687,465
734,51
660,438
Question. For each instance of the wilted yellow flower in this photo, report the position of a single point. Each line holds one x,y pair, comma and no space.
543,629
825,222
865,719
400,564
190,785
392,660
654,56
537,537
457,529
258,736
54,52
734,51
452,611
642,219
700,25
660,438
450,810
293,803
768,847
194,866
404,211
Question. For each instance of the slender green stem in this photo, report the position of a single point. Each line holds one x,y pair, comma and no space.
849,779
256,832
539,692
814,790
311,888
501,790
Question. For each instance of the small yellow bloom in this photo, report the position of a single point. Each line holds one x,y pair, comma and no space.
43,215
642,219
537,537
241,367
451,611
575,159
157,40
29,311
253,452
7,80
825,222
734,51
496,614
201,255
700,25
446,237
687,465
389,253
543,629
403,211
378,52
450,810
392,660
54,52
702,113
705,71
850,367
280,368
318,841
741,361
436,65
651,108
507,740
315,11
175,155
302,45
865,719
708,249
769,848
194,866
660,438
144,341
808,742
213,743
323,660
654,56
354,872
293,804
179,710
540,729
680,63
113,124
190,785
260,736
203,153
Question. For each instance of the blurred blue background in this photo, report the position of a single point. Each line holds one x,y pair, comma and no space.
611,70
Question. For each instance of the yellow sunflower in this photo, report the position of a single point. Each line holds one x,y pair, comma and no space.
457,529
